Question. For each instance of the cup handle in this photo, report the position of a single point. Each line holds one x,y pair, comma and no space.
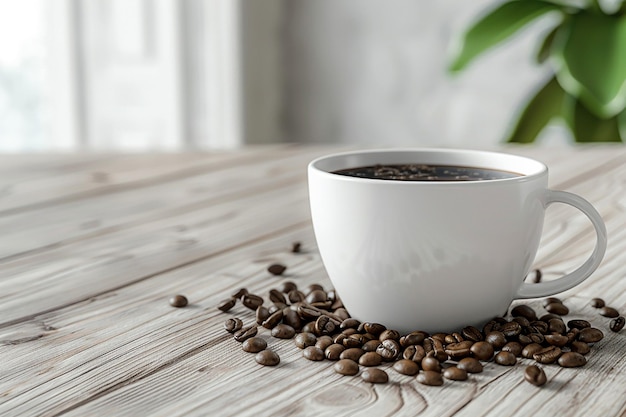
574,278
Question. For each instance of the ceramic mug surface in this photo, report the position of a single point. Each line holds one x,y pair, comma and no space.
436,255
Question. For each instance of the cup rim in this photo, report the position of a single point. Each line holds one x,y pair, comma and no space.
536,168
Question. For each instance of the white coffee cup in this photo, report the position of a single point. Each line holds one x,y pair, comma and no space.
436,255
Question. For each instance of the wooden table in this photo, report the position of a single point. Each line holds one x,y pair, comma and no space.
93,246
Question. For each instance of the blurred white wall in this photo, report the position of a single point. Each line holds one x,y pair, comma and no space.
374,71
166,75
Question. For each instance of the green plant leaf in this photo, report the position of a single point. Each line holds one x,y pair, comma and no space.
590,55
495,27
544,50
586,126
540,110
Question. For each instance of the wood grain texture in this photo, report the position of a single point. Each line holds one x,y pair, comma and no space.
86,329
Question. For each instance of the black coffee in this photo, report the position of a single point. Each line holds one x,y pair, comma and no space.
421,172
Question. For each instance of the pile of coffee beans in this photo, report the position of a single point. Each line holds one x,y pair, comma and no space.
322,328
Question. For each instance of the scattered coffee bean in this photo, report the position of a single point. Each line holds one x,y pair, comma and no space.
254,345
590,335
389,334
374,328
609,312
389,350
292,318
415,353
557,308
470,365
413,338
551,300
283,331
496,339
557,340
371,345
232,325
262,313
375,376
455,374
334,351
252,301
580,347
324,341
597,303
276,269
295,296
432,378
556,326
267,358
572,360
245,333
313,353
513,347
524,310
505,358
370,359
352,353
472,333
617,324
460,350
406,367
535,375
530,350
273,319
578,324
277,296
305,339
178,301
511,329
430,363
296,247
547,355
346,367
537,276
482,350
239,293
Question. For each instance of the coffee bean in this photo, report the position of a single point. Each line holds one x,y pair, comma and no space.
530,350
313,353
352,353
273,320
283,331
370,359
513,347
349,323
341,312
535,375
267,358
295,296
597,303
472,333
590,335
225,305
536,338
524,310
276,269
232,325
296,247
261,313
557,340
178,301
580,347
511,329
539,326
346,367
415,353
371,345
460,350
324,341
287,286
578,324
537,276
556,326
455,374
245,333
438,350
505,358
316,296
308,327
551,300
333,352
496,339
374,328
389,334
324,325
482,350
308,312
471,365
432,378
292,318
549,316
277,296
313,287
354,340
254,345
547,355
523,321
430,363
441,337
305,339
572,360
375,376
406,367
617,324
389,350
252,301
239,293
557,308
609,312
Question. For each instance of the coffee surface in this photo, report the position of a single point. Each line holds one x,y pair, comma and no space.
422,172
